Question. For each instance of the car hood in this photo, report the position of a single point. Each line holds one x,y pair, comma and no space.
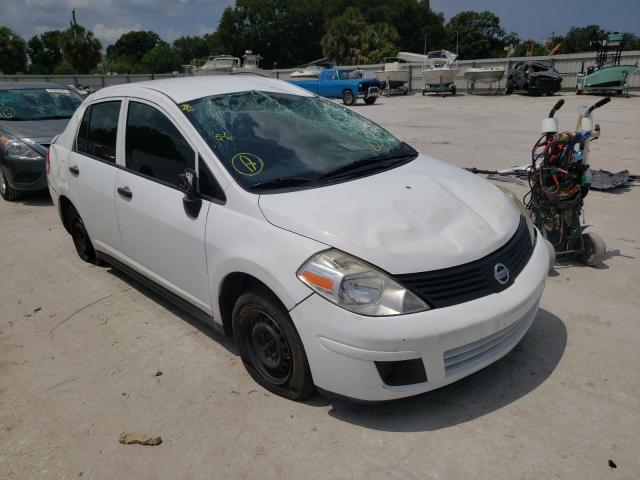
421,216
36,131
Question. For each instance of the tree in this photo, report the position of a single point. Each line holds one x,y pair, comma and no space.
190,48
579,39
161,59
342,42
45,52
126,54
13,52
80,49
478,34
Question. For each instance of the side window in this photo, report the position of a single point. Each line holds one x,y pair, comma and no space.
154,146
81,140
98,131
207,183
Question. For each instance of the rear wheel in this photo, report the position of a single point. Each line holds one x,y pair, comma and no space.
80,236
7,192
269,345
348,98
594,249
370,100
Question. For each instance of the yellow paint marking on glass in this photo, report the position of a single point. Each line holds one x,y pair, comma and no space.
186,107
247,164
224,136
375,146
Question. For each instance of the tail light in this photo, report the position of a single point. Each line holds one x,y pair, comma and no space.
47,161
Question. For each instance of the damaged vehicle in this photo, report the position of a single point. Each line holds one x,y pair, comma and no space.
31,114
338,257
534,77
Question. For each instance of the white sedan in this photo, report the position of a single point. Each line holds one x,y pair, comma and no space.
337,256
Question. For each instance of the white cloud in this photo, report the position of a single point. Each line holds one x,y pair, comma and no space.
111,34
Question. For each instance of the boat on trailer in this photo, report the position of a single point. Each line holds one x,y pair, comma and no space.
393,76
486,75
606,74
439,72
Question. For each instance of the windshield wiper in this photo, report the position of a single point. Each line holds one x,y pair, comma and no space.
282,182
366,164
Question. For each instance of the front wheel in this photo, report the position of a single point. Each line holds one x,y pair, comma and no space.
269,345
8,193
510,87
348,98
370,100
594,249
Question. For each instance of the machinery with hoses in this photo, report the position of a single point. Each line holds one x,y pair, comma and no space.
559,180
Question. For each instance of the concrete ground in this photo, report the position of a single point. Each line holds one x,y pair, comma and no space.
82,348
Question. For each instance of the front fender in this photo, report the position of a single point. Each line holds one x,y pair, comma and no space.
237,242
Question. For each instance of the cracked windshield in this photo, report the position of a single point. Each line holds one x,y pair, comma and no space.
272,140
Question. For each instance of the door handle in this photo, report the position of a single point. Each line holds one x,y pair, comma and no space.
74,169
125,192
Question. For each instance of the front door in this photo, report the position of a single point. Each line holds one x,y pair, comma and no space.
159,238
92,174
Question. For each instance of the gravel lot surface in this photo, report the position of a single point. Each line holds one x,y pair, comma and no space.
81,348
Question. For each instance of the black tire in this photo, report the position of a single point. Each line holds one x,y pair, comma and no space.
80,236
370,100
348,98
453,90
269,345
8,193
619,92
594,249
509,87
578,91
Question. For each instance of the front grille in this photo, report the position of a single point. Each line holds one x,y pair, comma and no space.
451,286
468,356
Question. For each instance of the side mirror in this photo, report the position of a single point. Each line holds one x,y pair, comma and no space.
191,201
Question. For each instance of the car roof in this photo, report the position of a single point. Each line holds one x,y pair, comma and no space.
183,89
29,85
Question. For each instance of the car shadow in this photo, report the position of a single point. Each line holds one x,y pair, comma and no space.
208,330
521,371
36,199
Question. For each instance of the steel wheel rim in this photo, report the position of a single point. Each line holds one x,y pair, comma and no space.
269,348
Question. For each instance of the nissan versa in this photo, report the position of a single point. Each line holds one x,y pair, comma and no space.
336,255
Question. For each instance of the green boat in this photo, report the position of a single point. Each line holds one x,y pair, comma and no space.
607,74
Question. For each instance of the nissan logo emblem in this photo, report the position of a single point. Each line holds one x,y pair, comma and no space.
501,273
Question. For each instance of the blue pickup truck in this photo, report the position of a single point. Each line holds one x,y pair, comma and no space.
343,83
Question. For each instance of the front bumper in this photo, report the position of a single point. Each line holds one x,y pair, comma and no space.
25,174
369,92
453,342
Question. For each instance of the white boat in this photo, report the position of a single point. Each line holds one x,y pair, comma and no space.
486,75
440,69
251,61
392,76
217,65
310,72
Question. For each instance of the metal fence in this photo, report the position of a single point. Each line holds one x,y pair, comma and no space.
567,65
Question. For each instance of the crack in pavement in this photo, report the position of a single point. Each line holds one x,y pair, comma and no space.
77,312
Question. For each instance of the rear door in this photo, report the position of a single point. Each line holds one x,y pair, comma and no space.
93,172
159,238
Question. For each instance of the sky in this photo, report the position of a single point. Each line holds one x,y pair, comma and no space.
108,19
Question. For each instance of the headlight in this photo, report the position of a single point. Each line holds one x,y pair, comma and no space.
357,286
523,211
359,86
17,149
